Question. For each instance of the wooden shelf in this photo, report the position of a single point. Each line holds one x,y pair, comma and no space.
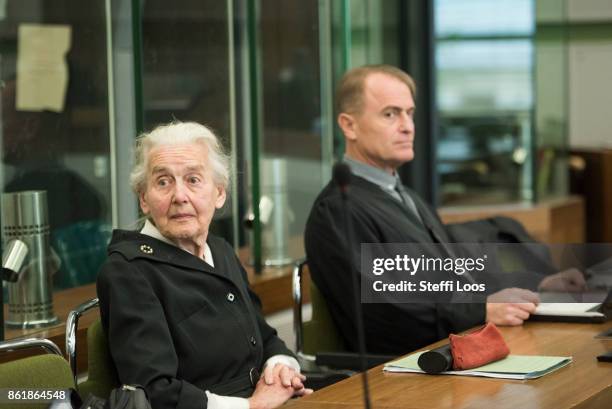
593,180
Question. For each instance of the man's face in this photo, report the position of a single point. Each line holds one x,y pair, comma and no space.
382,133
181,196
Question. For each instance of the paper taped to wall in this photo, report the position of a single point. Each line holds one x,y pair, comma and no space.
42,72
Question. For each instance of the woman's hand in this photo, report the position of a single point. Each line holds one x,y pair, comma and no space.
287,376
269,396
277,384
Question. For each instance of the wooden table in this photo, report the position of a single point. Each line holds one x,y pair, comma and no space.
585,383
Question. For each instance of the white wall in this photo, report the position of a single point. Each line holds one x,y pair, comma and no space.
590,76
589,10
590,94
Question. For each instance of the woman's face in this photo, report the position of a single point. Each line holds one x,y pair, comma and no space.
180,194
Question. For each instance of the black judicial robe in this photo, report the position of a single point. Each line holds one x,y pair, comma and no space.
178,326
377,218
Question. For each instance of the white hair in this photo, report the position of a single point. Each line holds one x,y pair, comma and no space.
178,133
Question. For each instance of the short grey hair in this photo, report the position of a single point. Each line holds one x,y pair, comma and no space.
350,91
178,133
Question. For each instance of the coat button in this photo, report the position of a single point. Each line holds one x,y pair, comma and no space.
253,341
230,297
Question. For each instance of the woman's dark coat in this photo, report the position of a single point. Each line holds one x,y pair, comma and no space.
178,326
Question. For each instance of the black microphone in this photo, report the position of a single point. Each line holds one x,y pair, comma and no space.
342,178
436,360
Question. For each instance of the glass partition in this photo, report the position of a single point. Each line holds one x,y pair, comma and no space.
502,79
551,79
304,46
500,71
484,66
196,66
294,143
186,72
55,134
375,37
362,32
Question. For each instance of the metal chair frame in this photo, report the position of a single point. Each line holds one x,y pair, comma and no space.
72,325
348,362
296,286
49,346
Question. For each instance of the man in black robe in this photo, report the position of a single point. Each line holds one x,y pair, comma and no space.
375,106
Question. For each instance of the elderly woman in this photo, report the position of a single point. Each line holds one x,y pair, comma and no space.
175,301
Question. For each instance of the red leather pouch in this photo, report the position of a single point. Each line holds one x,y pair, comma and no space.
483,346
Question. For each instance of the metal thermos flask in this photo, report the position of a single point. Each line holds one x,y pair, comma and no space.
25,233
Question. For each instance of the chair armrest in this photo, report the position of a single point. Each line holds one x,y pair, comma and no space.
296,285
72,325
47,345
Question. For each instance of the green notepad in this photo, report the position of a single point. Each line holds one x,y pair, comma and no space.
511,367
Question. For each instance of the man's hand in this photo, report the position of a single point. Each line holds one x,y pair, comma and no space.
570,280
511,306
